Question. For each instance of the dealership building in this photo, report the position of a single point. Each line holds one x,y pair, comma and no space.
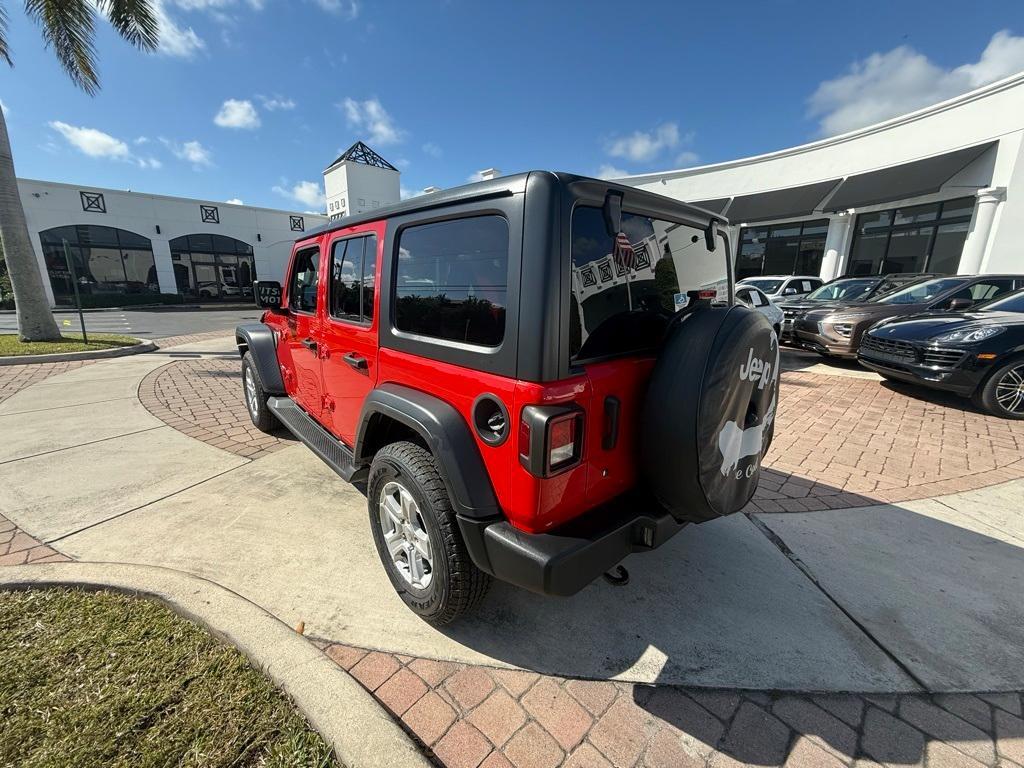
937,190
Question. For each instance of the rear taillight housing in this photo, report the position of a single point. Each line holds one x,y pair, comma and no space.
550,438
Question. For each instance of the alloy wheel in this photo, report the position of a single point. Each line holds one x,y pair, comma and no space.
405,535
1010,390
251,397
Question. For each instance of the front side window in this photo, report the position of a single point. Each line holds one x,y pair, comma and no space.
451,280
303,284
623,297
353,271
1012,303
922,292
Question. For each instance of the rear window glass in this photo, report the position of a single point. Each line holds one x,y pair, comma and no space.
451,280
622,298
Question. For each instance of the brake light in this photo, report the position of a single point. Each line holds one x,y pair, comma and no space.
550,438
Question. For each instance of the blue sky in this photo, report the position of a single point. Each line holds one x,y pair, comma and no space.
250,99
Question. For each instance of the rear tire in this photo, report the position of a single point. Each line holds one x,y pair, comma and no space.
417,536
255,396
1002,394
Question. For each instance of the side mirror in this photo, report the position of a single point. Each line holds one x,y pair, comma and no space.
789,292
958,305
268,294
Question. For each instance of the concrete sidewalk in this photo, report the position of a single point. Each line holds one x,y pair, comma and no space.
880,599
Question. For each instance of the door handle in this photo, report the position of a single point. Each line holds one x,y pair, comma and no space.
356,361
309,344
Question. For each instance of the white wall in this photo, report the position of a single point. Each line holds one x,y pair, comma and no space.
50,204
362,187
995,112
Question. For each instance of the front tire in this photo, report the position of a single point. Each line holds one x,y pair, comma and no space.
417,536
255,396
1003,392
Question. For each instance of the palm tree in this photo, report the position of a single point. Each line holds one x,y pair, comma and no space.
68,30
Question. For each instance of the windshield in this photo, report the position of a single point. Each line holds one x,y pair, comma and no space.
922,292
766,285
842,289
1012,303
622,299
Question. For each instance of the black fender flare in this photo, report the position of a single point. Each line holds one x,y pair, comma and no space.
259,339
446,434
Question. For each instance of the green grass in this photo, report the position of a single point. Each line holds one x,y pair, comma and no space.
10,346
104,679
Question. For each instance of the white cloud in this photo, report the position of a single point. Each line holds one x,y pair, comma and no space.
430,148
177,41
372,119
234,201
4,109
305,192
215,5
642,146
608,171
348,9
687,157
237,113
191,152
140,140
273,103
902,80
95,143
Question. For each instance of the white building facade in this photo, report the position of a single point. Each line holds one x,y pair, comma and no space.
938,190
135,248
360,180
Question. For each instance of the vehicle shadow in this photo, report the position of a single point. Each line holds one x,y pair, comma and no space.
867,631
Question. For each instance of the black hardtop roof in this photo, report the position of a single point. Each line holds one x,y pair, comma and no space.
505,186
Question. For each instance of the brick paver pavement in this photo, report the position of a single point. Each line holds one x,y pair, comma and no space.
18,548
468,716
840,442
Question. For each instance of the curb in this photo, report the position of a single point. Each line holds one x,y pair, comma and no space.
64,357
361,732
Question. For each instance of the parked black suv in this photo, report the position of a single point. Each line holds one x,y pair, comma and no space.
978,354
842,290
837,331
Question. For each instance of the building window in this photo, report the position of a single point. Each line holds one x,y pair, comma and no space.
919,238
353,275
451,279
209,214
782,249
296,223
208,266
93,202
112,266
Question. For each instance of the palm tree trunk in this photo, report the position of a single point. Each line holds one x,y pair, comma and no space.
35,322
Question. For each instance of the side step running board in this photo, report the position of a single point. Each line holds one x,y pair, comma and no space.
332,451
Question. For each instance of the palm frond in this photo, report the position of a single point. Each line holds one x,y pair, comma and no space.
134,20
68,28
5,51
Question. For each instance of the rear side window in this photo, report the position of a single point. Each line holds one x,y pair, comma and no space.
353,272
451,280
623,297
304,279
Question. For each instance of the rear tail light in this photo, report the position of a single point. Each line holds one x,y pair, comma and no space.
550,439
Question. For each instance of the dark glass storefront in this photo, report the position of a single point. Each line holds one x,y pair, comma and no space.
920,238
781,249
213,267
110,264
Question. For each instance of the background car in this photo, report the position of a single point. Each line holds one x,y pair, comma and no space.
837,331
842,290
755,299
978,353
777,287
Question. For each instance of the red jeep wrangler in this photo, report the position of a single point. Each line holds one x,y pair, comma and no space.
534,376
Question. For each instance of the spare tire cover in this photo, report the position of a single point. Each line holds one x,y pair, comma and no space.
709,414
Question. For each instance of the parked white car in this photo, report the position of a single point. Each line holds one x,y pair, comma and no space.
756,299
777,287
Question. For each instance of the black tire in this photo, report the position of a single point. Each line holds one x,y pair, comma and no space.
1001,381
709,413
256,400
456,585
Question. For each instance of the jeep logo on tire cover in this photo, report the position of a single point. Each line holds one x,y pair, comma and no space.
736,443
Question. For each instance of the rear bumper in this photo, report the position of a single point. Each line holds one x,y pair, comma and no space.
564,561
